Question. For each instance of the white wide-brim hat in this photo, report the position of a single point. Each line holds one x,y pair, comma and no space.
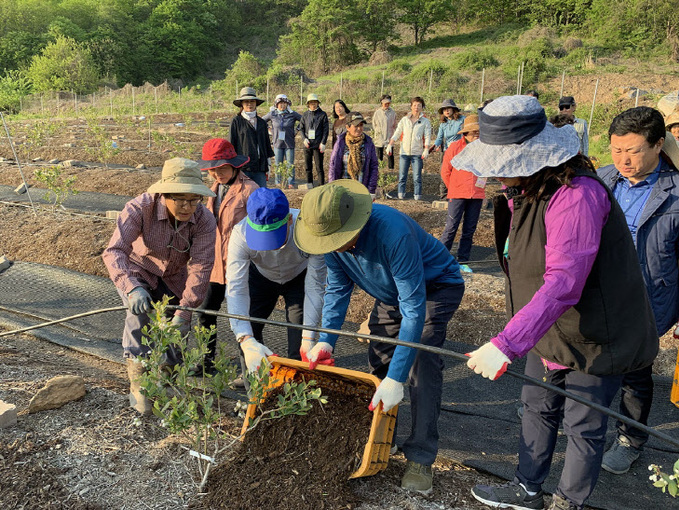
516,140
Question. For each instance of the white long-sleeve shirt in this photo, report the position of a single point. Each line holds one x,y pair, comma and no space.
279,266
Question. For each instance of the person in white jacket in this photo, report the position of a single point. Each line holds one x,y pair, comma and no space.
416,130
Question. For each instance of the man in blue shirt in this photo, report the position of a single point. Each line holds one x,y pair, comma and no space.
645,183
417,287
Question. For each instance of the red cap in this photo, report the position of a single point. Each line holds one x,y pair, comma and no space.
219,152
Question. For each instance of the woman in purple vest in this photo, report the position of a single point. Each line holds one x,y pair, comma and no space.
563,244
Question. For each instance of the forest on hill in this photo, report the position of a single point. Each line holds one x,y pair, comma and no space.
82,45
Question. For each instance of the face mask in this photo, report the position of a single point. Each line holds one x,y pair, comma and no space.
249,115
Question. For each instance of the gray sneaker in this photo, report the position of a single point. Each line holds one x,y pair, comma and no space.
418,478
509,495
620,457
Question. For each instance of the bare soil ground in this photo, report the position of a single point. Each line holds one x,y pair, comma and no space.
96,453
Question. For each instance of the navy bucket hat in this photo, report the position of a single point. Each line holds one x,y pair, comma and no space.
267,221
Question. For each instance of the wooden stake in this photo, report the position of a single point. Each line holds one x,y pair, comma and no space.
563,77
431,75
591,113
341,84
134,103
483,83
636,100
382,87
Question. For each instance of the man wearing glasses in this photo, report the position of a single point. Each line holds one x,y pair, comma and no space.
567,107
163,244
645,183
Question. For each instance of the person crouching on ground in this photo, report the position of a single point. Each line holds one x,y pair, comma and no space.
163,245
232,189
562,240
265,263
465,194
417,287
354,155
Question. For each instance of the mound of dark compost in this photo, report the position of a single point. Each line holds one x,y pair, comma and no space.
297,462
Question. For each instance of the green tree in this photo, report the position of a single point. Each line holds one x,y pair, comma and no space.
64,65
375,23
13,86
245,69
421,15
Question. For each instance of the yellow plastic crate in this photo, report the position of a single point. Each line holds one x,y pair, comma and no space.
376,451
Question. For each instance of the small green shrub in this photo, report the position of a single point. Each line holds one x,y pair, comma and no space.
422,71
666,482
59,187
399,66
474,60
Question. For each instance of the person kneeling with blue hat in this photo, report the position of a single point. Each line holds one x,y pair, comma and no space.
264,263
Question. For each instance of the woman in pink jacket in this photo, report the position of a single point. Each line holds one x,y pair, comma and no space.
465,194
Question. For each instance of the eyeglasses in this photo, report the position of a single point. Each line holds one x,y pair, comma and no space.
181,202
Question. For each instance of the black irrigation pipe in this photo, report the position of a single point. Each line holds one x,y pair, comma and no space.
427,348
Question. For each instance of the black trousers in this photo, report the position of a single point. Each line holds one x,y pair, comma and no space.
314,156
213,301
390,157
635,403
264,295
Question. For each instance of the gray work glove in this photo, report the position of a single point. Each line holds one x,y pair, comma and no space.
139,301
181,324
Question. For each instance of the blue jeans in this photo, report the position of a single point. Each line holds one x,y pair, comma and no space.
457,207
279,156
584,427
258,177
403,165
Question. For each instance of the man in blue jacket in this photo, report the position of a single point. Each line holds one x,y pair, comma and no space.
645,182
417,287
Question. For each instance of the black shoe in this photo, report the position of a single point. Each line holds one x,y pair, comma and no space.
509,495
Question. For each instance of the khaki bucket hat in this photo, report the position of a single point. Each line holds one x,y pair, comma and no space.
312,97
331,216
245,94
181,175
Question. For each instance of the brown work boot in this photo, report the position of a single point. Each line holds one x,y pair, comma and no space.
138,400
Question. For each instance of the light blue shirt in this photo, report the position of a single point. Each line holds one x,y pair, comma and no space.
448,132
279,266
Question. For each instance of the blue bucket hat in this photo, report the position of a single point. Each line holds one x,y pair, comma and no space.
267,222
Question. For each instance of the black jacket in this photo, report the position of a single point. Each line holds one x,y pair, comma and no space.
250,142
318,121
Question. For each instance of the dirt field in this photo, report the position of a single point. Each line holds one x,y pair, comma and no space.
96,453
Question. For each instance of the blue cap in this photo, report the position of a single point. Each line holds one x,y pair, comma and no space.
267,222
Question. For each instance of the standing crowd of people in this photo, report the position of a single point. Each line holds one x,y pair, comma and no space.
591,260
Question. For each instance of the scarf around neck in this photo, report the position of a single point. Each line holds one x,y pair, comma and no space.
356,157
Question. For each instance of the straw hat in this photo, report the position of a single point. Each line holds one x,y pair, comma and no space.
181,175
516,140
671,119
331,216
471,123
247,93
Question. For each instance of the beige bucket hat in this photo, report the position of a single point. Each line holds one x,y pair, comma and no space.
245,94
181,175
312,97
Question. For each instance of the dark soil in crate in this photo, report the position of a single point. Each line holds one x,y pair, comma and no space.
297,462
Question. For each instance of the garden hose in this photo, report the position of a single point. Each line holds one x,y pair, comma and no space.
392,341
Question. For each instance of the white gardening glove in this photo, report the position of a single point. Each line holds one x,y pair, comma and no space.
390,149
253,352
425,153
489,361
306,143
307,345
321,147
389,392
139,301
675,334
320,354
